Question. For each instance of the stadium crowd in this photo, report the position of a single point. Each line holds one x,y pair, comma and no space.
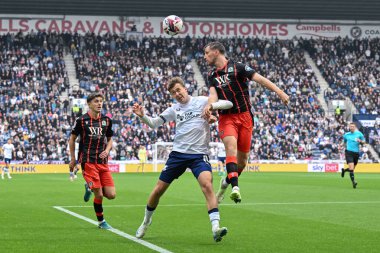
129,70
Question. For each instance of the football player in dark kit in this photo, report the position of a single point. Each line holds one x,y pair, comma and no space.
95,130
229,81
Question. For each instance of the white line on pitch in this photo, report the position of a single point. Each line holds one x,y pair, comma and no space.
250,204
116,231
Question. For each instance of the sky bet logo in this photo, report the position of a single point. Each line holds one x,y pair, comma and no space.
318,168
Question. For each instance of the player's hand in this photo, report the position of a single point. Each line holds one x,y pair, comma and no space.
207,111
72,165
104,154
138,110
212,119
284,97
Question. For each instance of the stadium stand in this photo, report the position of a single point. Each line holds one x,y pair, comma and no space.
130,70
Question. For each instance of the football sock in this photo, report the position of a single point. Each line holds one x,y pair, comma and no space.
232,170
352,176
148,213
214,218
224,183
98,206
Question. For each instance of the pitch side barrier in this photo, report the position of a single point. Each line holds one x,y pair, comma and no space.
317,166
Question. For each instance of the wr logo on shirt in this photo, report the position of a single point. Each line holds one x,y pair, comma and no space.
222,80
96,130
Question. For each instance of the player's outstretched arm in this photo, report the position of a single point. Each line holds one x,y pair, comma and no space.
271,86
151,122
138,110
212,98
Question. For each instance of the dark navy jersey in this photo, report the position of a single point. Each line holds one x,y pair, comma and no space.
231,83
93,137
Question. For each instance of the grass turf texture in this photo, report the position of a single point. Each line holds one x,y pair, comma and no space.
280,212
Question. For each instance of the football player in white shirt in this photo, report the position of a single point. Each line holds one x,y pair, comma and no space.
190,149
8,150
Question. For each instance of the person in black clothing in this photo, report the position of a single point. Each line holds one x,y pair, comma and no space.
95,130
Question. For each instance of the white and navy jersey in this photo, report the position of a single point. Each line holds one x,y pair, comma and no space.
192,131
8,150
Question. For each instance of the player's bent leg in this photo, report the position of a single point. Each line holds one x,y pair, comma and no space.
109,192
98,208
223,185
153,201
205,182
242,160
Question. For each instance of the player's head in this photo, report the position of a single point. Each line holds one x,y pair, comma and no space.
9,141
95,102
177,90
352,127
212,51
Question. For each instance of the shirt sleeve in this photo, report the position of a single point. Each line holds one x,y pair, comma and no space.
109,132
77,128
245,70
362,137
345,138
168,115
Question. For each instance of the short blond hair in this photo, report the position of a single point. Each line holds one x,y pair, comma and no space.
173,81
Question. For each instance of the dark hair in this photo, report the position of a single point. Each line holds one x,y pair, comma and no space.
93,96
172,82
216,45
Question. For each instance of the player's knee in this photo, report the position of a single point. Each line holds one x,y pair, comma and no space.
206,186
111,195
99,196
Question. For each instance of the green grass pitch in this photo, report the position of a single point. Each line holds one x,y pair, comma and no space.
280,212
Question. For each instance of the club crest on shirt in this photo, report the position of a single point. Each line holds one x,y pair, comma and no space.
248,68
104,123
230,69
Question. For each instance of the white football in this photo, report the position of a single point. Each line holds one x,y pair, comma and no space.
172,25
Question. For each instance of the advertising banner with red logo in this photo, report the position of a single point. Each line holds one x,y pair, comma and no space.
324,167
198,27
114,168
331,167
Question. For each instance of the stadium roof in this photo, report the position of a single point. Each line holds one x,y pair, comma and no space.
252,9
